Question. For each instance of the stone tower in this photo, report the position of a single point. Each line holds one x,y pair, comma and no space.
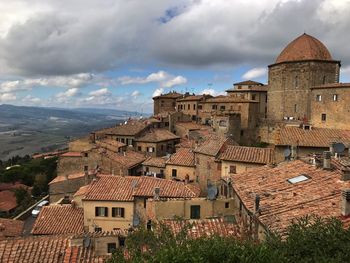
304,63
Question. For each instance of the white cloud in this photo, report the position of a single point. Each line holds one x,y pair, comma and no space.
66,96
135,94
7,97
212,92
164,79
158,92
255,73
100,92
29,99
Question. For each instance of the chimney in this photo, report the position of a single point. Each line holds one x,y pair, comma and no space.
86,177
331,148
257,203
345,174
2,230
92,137
327,160
294,152
74,204
187,179
345,202
156,193
313,160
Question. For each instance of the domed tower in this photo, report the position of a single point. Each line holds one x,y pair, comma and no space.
304,63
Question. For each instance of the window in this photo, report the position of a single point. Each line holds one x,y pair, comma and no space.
227,205
86,155
295,107
239,87
318,98
222,123
173,172
232,169
222,107
296,81
195,211
118,212
144,202
122,140
139,148
253,96
323,117
214,107
324,80
242,132
194,106
162,147
98,229
335,97
86,168
199,107
162,173
298,179
121,241
111,247
147,169
150,149
188,106
130,142
166,124
174,104
101,211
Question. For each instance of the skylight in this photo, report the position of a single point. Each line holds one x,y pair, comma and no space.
298,179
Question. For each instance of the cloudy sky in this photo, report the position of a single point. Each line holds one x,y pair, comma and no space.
118,54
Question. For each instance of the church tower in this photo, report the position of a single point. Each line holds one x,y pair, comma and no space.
304,63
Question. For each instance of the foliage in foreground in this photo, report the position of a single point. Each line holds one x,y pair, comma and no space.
310,239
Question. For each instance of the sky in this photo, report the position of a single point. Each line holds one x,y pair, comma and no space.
119,54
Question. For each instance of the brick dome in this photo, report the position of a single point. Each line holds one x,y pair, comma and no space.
305,47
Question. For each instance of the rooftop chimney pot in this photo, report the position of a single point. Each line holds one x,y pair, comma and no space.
345,202
327,160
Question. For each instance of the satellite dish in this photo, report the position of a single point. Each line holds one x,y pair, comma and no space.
134,184
86,242
136,220
287,152
212,192
157,190
339,147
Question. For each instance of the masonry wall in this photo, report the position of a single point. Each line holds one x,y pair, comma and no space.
158,210
241,167
152,169
64,188
107,223
182,172
337,111
160,148
163,105
290,84
189,108
69,165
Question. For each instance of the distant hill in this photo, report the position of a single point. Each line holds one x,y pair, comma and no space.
25,130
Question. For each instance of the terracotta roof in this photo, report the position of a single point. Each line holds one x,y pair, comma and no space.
194,98
57,219
157,135
332,86
185,143
10,227
203,227
170,95
70,177
132,128
305,47
282,201
128,159
71,154
120,188
46,250
249,82
7,200
183,157
155,161
212,145
82,190
192,125
227,99
110,144
248,154
316,137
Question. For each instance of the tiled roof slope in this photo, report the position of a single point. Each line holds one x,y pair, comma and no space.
281,201
54,249
157,135
183,157
155,161
249,82
193,98
128,159
248,154
227,99
71,154
212,145
203,227
305,47
316,137
61,178
110,144
132,128
56,219
120,188
7,200
10,227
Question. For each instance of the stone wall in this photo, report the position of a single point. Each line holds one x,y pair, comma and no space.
161,105
69,165
182,172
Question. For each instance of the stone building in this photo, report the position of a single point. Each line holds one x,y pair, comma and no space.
181,166
239,159
157,142
191,104
251,90
154,166
330,106
165,102
304,63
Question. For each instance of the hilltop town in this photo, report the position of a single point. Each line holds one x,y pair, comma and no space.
255,158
